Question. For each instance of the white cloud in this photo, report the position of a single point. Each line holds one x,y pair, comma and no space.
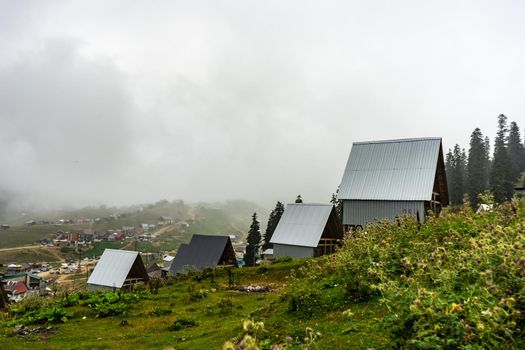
119,101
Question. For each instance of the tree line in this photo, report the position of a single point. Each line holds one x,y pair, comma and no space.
476,172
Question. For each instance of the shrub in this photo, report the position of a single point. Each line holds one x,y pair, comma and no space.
262,270
181,323
225,306
53,315
282,260
156,283
115,309
158,311
453,282
196,295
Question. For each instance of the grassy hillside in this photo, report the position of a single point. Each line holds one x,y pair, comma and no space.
216,314
455,282
24,235
34,255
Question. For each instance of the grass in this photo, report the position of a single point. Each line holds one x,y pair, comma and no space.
99,247
24,235
218,318
29,255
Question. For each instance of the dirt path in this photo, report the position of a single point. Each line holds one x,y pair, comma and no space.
22,247
164,229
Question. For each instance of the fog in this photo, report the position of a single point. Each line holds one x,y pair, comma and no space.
121,102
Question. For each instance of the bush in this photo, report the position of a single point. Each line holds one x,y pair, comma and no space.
181,323
115,309
225,306
156,283
112,303
453,282
262,270
305,303
158,311
282,260
196,295
53,315
28,305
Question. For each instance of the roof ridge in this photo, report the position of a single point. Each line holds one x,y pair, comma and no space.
324,204
120,250
417,139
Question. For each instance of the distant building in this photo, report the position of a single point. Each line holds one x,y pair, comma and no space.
13,269
267,254
118,269
72,237
86,235
204,251
519,189
20,285
167,260
16,290
120,236
387,179
154,270
307,230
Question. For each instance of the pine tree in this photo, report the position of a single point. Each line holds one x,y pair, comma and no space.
299,199
273,221
477,167
338,205
254,241
455,167
488,164
501,183
516,152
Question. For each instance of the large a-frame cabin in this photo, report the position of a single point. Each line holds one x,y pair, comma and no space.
387,179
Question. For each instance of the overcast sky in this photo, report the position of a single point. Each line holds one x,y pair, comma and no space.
124,102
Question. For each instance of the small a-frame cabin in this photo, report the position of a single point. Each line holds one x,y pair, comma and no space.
307,230
118,269
387,179
204,251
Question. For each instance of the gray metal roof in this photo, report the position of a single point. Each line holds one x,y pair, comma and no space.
113,268
391,170
202,252
302,224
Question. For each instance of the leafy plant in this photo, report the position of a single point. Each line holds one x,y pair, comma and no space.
181,323
53,315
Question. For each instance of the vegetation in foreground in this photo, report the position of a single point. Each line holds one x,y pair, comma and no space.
453,282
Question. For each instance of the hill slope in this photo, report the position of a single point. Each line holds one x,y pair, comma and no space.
453,282
231,217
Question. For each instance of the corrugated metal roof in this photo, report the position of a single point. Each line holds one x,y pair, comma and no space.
203,251
302,224
391,170
113,268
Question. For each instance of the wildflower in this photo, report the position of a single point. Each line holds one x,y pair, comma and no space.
247,325
348,313
455,308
